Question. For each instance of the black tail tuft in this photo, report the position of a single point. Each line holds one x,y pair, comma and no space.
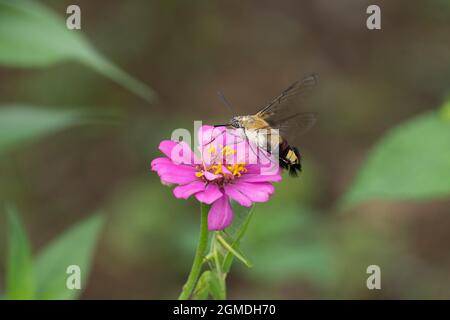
293,167
294,170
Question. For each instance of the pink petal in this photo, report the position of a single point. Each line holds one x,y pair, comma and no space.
253,169
162,164
166,147
172,173
256,192
237,196
260,177
178,152
211,194
209,135
170,167
189,189
159,162
225,170
210,176
220,215
176,179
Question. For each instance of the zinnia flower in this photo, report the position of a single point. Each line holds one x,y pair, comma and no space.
221,173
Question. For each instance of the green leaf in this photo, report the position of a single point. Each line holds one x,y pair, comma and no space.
201,290
233,251
19,124
411,162
74,247
32,35
208,284
19,271
242,217
216,287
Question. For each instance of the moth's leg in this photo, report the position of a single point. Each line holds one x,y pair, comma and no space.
239,139
235,142
212,140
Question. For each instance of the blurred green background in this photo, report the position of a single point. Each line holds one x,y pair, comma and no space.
306,242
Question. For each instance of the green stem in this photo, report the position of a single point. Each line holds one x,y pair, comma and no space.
199,255
220,274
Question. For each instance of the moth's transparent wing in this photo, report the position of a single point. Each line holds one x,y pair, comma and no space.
296,125
293,93
284,113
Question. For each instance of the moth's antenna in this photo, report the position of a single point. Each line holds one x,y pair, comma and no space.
225,101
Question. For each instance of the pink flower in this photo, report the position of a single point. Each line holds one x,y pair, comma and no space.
222,172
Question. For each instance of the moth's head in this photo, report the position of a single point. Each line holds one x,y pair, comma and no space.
235,122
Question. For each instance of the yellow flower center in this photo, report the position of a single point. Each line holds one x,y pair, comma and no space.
235,169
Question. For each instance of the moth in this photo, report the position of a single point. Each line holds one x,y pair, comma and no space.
285,115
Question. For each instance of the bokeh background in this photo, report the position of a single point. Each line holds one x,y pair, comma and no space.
300,243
